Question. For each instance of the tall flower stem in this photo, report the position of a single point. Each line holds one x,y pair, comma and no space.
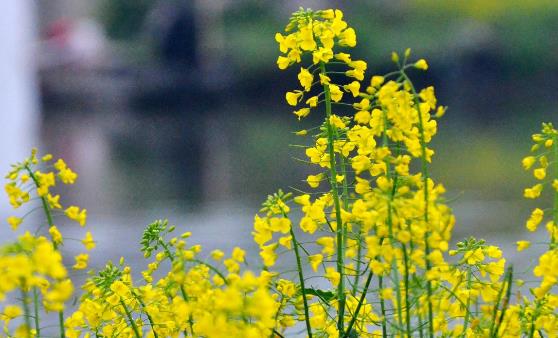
406,283
36,311
340,226
382,307
467,313
359,305
358,262
425,178
50,222
130,319
496,323
149,318
26,311
301,279
389,221
302,286
172,257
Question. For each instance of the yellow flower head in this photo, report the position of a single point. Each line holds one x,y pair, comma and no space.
88,241
14,222
421,64
76,214
522,245
81,261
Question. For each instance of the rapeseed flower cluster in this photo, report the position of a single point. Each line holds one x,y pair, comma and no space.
379,230
369,234
33,266
194,298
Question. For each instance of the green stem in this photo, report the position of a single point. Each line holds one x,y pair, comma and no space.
406,281
340,227
26,311
385,143
359,305
534,317
467,312
36,311
275,332
172,258
421,333
50,221
149,318
382,307
130,319
496,307
61,323
509,277
425,177
43,200
190,319
166,249
358,263
212,268
302,286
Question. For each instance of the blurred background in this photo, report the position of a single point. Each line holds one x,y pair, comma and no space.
175,108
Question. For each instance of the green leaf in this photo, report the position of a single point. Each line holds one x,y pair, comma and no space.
325,296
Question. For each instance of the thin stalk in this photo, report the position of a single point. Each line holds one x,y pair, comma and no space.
358,264
382,307
302,286
385,143
212,268
190,319
340,226
172,257
420,324
149,318
406,281
467,312
50,221
496,307
425,177
26,311
359,305
345,198
36,311
130,319
533,319
275,332
509,278
61,323
166,249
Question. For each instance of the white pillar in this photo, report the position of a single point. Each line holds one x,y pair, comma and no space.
18,87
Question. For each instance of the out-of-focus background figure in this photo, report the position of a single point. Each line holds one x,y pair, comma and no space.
175,109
